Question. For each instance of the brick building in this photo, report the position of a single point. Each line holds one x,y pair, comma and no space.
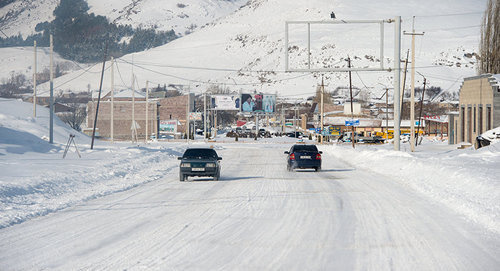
159,110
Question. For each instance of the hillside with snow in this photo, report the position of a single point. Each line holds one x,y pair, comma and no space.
183,16
245,50
20,60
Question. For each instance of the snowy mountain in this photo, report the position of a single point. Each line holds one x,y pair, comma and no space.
183,16
245,49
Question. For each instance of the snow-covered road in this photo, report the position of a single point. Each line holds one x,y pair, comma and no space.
257,217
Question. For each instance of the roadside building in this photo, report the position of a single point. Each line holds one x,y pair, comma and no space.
164,116
479,107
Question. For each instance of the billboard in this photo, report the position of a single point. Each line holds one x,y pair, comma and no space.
168,126
225,102
196,116
260,103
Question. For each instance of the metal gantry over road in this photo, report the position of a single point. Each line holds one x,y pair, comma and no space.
396,68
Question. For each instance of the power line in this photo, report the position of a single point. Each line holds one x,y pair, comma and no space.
450,14
202,68
214,83
454,28
85,71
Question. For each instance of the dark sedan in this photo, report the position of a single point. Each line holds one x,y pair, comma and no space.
202,162
304,156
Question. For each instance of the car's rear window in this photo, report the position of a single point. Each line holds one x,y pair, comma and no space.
208,153
307,148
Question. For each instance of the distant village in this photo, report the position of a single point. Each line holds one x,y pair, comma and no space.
169,112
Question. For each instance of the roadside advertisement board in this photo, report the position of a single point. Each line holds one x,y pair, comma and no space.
353,122
259,103
226,102
168,126
195,116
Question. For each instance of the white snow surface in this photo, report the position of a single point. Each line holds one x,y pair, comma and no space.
121,205
245,49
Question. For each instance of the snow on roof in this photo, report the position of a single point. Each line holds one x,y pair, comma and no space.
496,77
125,93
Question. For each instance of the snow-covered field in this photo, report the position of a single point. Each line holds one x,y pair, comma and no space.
121,205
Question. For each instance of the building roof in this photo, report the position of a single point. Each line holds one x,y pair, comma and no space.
124,93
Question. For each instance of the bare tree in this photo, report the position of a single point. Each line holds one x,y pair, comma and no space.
14,86
489,46
76,115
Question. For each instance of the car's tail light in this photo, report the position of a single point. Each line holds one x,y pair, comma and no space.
318,156
292,156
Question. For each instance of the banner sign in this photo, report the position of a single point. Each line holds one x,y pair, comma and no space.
352,122
261,103
225,102
168,126
196,116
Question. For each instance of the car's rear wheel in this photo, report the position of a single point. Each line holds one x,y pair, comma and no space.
317,169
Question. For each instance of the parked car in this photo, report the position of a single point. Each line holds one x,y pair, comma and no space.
303,156
295,134
489,137
199,162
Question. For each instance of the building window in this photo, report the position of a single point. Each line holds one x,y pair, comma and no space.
474,120
480,112
469,124
488,118
462,125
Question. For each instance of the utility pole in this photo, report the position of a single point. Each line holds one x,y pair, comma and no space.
112,100
205,115
421,105
397,77
387,113
99,95
188,134
412,101
51,101
282,118
147,112
34,80
404,86
256,125
352,108
134,127
322,108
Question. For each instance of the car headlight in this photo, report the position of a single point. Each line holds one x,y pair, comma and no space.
185,165
210,165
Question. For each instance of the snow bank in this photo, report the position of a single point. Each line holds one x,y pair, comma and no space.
35,180
464,180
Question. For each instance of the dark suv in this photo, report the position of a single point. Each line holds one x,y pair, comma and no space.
199,162
303,156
